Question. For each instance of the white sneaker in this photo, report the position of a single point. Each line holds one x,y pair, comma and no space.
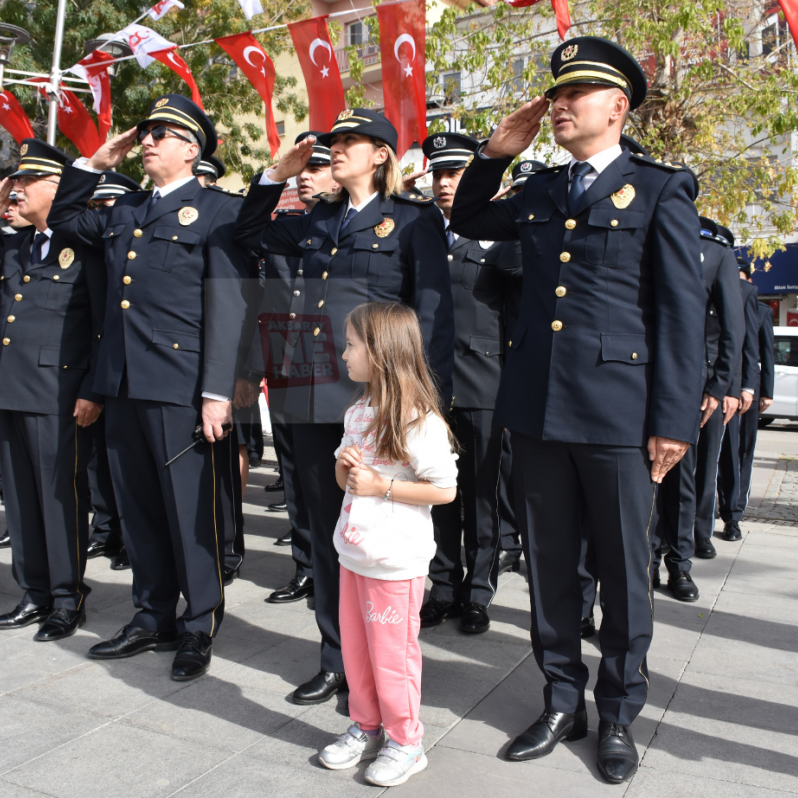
396,764
349,748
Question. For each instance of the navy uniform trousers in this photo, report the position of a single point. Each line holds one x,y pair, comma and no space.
509,539
749,425
474,511
729,477
105,524
677,507
43,459
232,503
708,452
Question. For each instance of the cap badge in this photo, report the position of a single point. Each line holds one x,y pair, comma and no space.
66,257
569,52
23,149
162,102
438,142
525,167
623,197
345,114
187,215
384,228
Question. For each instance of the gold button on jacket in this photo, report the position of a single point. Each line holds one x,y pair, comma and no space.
570,224
556,326
561,290
565,257
138,233
127,280
125,304
131,255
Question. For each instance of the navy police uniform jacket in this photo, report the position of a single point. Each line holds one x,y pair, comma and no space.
175,311
606,349
394,250
52,319
750,364
767,357
486,279
725,322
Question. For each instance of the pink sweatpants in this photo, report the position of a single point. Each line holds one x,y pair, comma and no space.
382,658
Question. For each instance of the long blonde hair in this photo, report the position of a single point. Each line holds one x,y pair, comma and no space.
387,176
400,387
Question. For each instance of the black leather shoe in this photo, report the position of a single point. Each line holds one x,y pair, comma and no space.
132,640
509,562
254,462
436,611
5,541
617,755
61,623
285,540
193,656
655,578
704,549
732,531
474,620
275,487
121,562
229,575
541,737
298,588
682,586
587,628
322,687
278,507
100,548
24,615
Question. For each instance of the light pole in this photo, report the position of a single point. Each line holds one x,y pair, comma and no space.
10,35
55,74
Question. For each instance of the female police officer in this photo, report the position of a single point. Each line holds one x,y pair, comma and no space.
369,242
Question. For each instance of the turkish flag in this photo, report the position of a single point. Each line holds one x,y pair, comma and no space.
163,7
320,69
402,41
94,69
143,41
790,9
253,61
561,12
75,122
171,59
13,117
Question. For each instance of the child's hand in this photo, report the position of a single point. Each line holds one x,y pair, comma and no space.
350,457
365,481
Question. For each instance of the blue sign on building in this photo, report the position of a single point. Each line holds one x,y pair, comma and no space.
777,274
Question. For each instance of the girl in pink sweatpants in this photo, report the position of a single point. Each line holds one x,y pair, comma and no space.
395,461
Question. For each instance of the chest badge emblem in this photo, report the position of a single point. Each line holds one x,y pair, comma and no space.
187,215
66,257
623,197
385,227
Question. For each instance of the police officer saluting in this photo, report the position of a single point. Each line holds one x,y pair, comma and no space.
483,276
167,363
602,383
51,304
369,242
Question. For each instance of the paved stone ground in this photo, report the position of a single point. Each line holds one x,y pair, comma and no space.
721,719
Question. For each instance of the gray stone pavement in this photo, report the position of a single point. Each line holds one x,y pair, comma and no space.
722,715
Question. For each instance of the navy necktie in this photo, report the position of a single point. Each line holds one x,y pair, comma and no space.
450,237
350,214
36,251
580,171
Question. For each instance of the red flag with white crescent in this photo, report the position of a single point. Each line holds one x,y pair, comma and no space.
94,69
171,59
253,61
320,68
561,12
144,41
163,7
790,9
13,117
403,42
74,121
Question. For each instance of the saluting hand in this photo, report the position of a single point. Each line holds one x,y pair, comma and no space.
86,412
114,151
409,181
293,162
516,131
5,192
664,453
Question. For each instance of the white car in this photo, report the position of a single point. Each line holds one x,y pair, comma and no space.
785,390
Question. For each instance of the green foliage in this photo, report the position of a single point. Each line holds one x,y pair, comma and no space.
227,94
717,100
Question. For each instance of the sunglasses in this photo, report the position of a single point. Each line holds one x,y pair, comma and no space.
159,133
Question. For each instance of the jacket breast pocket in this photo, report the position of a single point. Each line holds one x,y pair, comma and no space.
172,249
373,258
621,348
59,293
532,227
611,230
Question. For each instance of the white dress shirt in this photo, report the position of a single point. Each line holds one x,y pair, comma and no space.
600,161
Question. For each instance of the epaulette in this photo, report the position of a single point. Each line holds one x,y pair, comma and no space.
414,196
225,191
706,235
670,165
327,196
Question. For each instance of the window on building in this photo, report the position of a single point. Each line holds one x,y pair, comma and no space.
281,128
355,33
517,82
450,81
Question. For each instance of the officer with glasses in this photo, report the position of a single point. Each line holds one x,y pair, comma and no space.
167,364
